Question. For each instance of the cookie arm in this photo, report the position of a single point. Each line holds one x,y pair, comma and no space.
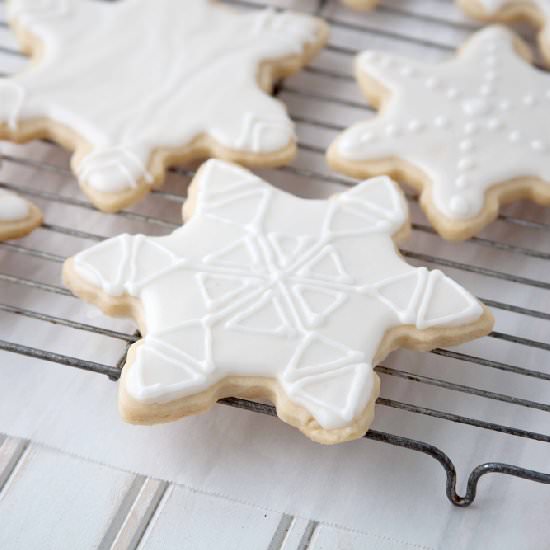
107,265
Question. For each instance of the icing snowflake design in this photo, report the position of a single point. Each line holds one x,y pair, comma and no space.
467,124
128,94
261,283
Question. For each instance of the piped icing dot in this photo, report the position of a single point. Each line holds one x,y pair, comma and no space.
471,128
442,122
537,145
391,130
433,83
369,56
529,100
459,205
452,93
406,70
504,105
466,163
495,124
366,137
462,181
466,145
486,90
514,136
475,106
415,126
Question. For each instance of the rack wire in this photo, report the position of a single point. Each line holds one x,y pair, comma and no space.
333,70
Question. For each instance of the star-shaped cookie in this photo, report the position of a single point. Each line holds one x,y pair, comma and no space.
537,12
184,80
18,217
468,133
268,296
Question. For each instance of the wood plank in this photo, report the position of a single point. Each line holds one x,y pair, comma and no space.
140,514
56,501
11,451
188,519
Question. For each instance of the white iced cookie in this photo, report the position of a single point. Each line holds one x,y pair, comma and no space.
184,80
536,12
265,295
469,133
17,216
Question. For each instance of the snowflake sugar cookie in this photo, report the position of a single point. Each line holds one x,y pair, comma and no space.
184,80
265,295
17,216
536,12
470,133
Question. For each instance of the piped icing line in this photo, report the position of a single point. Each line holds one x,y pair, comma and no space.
167,94
261,283
461,123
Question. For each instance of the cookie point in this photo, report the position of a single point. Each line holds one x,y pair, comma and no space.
12,207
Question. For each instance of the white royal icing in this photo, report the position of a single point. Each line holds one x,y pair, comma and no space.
179,70
12,207
262,283
468,124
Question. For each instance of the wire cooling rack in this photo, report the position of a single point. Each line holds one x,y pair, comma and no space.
507,265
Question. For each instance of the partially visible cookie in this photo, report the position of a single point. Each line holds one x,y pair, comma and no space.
361,4
18,217
469,134
185,80
537,12
264,295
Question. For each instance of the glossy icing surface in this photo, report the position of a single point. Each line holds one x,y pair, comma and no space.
262,283
468,124
12,207
179,70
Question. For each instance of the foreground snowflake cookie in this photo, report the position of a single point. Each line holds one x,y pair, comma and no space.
184,80
18,217
537,12
265,295
470,133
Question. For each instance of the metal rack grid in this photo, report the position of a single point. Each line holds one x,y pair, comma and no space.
332,68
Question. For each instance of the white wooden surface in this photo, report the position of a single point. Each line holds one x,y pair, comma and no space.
53,501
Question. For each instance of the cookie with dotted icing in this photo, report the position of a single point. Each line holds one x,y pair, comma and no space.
264,295
468,133
536,12
185,80
18,217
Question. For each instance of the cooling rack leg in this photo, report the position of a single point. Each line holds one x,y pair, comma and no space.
450,470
